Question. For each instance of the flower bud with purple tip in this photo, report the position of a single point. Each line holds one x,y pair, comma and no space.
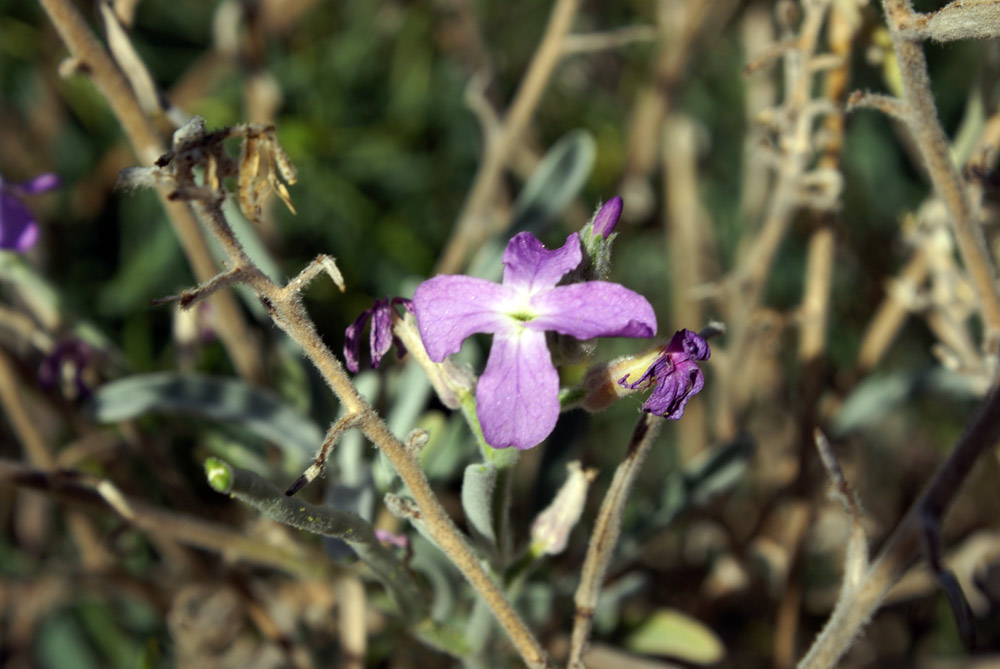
597,237
607,218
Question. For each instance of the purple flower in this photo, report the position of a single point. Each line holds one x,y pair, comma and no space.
70,368
18,229
518,393
675,373
381,337
607,217
397,540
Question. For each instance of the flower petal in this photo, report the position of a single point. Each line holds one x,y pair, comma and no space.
689,345
381,334
518,393
408,305
607,217
530,267
352,341
18,230
451,308
40,184
593,309
674,389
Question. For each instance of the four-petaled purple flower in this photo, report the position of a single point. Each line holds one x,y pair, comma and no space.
18,229
675,373
381,338
518,393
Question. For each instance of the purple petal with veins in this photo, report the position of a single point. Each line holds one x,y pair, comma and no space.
675,373
451,308
352,341
518,394
530,267
593,309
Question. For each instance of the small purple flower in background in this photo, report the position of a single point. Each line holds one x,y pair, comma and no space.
675,373
69,368
18,229
381,338
518,393
607,217
393,539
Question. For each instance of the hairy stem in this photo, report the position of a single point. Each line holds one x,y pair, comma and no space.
285,309
350,527
80,490
933,145
604,538
447,536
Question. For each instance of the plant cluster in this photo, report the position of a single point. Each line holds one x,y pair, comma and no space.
506,514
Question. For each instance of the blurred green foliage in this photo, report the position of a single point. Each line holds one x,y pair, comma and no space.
373,116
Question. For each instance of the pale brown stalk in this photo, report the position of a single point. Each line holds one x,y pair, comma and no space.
794,122
476,221
934,148
604,538
916,530
231,323
685,222
351,618
683,27
92,552
892,312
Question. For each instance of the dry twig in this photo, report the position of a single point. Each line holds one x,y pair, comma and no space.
232,326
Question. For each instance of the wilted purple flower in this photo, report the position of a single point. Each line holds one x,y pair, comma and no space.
68,368
518,393
18,229
607,217
381,337
675,373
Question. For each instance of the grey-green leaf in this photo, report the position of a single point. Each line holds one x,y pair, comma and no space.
228,400
879,395
708,475
478,485
558,178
